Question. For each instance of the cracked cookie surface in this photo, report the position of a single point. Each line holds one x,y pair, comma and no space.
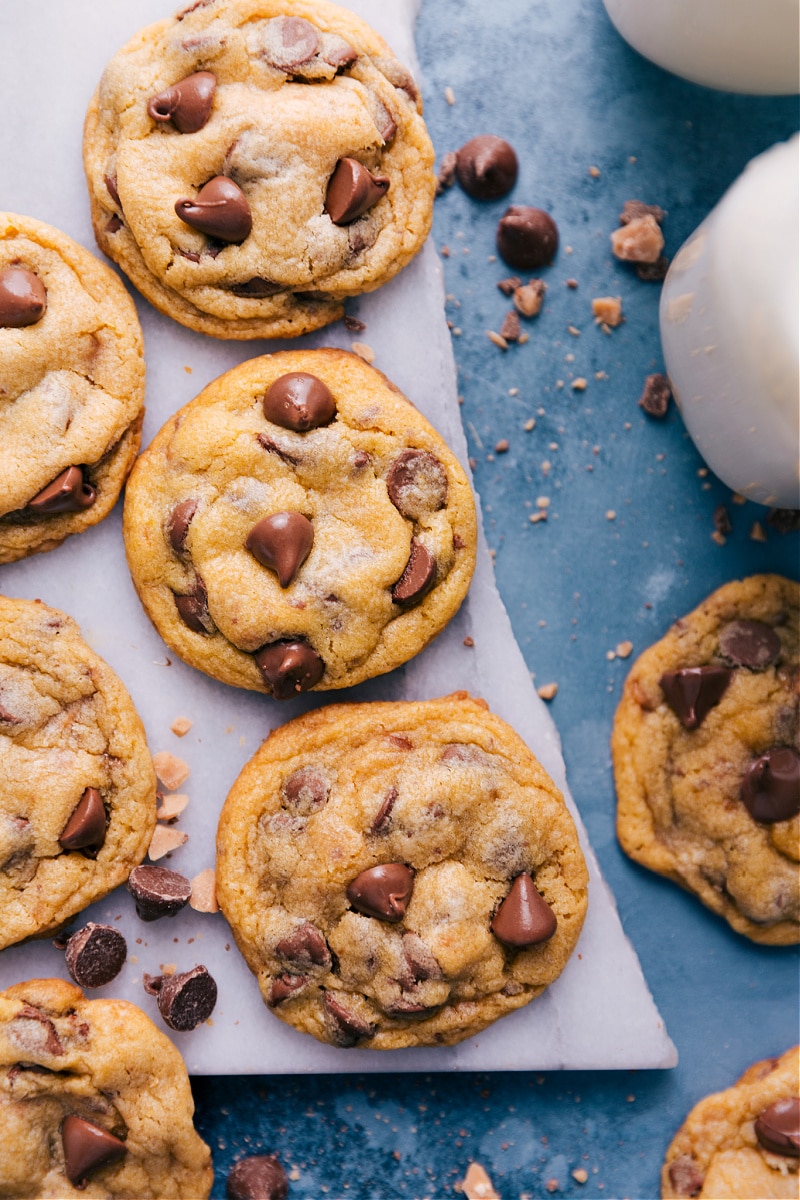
705,748
251,165
399,874
71,387
94,1101
77,785
280,544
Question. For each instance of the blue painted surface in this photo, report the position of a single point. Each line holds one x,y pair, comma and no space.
554,78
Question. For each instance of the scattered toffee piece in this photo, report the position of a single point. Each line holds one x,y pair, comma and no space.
383,891
632,210
418,576
193,609
523,918
771,787
158,892
259,1177
187,104
256,288
23,298
751,644
86,828
87,1147
184,1000
417,483
692,692
383,817
69,492
289,667
178,524
656,395
282,542
284,987
299,401
527,237
685,1176
306,790
487,167
350,1028
352,190
95,955
778,1127
305,947
219,209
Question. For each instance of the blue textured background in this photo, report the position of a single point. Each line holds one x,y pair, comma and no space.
553,77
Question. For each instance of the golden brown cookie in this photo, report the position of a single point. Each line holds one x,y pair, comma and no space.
77,786
743,1143
399,874
94,1101
299,525
253,164
71,387
706,761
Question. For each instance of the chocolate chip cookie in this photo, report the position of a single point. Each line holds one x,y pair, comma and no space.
71,387
742,1143
299,525
94,1101
399,874
706,760
252,164
77,785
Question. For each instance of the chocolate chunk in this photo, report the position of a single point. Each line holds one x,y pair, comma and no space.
685,1176
69,492
422,962
111,187
187,104
87,1147
417,483
383,891
417,577
178,524
349,1027
785,520
95,955
778,1127
193,609
256,288
86,828
692,692
290,42
653,272
352,190
387,126
35,1033
527,237
771,787
487,167
655,397
282,542
284,987
306,790
23,299
184,1000
289,667
750,644
305,946
158,892
633,210
299,401
383,817
114,224
219,209
523,918
259,1177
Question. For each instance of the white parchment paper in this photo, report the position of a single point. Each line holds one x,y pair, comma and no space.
599,1014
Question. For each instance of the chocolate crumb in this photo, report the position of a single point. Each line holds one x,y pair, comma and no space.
784,520
510,329
502,446
509,285
722,520
653,272
353,325
655,397
632,210
469,642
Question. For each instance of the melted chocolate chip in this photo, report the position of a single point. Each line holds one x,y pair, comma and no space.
259,1177
417,577
383,817
487,167
778,1127
527,237
87,1148
306,790
282,542
284,987
178,524
69,492
750,644
23,299
421,961
289,667
352,190
95,955
523,918
193,609
771,787
685,1176
290,42
185,1000
219,209
692,692
383,891
86,828
187,104
305,947
256,288
349,1028
417,483
299,401
111,187
158,892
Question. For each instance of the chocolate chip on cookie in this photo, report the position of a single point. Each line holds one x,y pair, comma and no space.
186,104
23,298
692,692
778,1127
282,542
383,891
86,828
299,401
771,787
87,1148
524,918
68,493
219,209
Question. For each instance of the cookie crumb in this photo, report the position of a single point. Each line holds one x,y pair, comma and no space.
640,241
529,424
510,329
655,396
624,649
757,532
573,331
476,1184
580,1175
164,840
447,173
181,726
204,892
548,691
450,96
607,310
171,807
552,1185
363,351
502,446
529,298
611,515
594,172
572,283
497,339
170,770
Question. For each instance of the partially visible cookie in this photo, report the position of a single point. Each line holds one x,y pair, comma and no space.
252,164
77,785
71,387
94,1101
399,874
299,525
743,1143
706,760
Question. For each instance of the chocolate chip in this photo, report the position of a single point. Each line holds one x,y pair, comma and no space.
299,401
87,1147
114,224
487,167
219,209
35,1033
417,483
184,1000
349,1028
282,542
257,288
383,817
692,692
417,577
23,299
284,987
527,237
352,190
656,395
422,962
193,609
158,892
685,1176
305,946
259,1177
178,524
290,42
86,828
387,126
95,955
339,53
187,104
383,891
289,667
778,1127
111,187
523,918
69,492
771,787
750,644
306,790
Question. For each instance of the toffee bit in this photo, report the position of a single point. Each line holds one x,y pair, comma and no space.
529,298
632,210
547,691
170,770
497,339
607,310
181,726
164,840
363,351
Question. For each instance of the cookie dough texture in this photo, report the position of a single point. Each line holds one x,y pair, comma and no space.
300,86
71,387
716,1153
223,454
66,725
103,1061
445,788
680,811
